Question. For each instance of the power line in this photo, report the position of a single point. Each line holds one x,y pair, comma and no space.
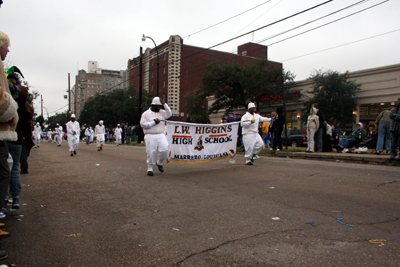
58,109
258,17
330,48
311,21
229,40
329,23
227,19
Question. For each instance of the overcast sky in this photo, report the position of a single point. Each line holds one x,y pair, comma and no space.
51,38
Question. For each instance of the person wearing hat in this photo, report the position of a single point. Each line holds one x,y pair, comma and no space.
251,138
154,131
58,134
231,118
73,132
117,133
99,132
357,135
37,132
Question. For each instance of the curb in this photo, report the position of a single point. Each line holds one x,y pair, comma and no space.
340,158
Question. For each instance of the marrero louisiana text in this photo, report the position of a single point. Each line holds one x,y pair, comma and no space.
200,157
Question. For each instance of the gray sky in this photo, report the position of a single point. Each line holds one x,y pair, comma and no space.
51,38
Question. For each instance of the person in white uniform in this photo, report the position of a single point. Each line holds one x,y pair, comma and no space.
36,134
73,132
117,133
58,134
88,135
99,132
49,135
92,134
154,131
252,140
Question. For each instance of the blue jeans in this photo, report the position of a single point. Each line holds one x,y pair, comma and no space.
265,139
318,140
128,139
395,143
87,140
15,181
4,171
346,142
383,134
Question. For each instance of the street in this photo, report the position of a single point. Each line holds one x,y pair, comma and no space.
101,209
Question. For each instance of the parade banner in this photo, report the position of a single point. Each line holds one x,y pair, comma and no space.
199,143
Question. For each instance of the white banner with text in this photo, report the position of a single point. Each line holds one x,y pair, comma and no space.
198,143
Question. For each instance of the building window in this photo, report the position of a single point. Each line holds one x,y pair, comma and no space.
164,70
165,56
152,75
163,84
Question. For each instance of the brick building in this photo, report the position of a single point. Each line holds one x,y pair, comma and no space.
182,67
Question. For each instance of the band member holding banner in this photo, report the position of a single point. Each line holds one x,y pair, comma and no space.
154,131
253,142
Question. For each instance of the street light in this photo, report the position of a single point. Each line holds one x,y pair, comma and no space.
158,62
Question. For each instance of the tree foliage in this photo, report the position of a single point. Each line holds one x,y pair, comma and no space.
234,85
335,94
60,118
115,107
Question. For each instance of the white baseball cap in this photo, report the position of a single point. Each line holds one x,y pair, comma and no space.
72,115
251,105
156,101
101,122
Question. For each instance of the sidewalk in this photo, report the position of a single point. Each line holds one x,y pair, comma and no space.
343,157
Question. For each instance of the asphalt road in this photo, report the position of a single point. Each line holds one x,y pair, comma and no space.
101,209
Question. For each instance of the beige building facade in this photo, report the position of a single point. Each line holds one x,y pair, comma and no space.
380,88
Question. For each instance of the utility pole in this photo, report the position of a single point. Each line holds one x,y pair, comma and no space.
69,97
140,138
41,101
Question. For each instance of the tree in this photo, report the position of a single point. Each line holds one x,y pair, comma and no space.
233,86
40,119
115,107
335,94
60,118
197,109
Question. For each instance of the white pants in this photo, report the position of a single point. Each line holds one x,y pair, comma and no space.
100,139
156,143
253,144
73,142
36,140
49,138
310,139
118,139
58,139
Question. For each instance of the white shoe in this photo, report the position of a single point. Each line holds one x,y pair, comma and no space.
271,148
345,150
277,149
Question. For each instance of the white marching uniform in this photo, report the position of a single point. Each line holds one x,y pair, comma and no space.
37,132
252,140
49,136
99,132
155,138
58,135
73,140
117,133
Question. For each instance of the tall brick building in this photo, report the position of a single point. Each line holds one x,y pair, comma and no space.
182,67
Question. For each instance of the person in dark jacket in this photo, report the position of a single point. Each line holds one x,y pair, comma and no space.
394,115
318,139
278,128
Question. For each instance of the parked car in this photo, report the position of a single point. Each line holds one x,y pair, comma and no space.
295,138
